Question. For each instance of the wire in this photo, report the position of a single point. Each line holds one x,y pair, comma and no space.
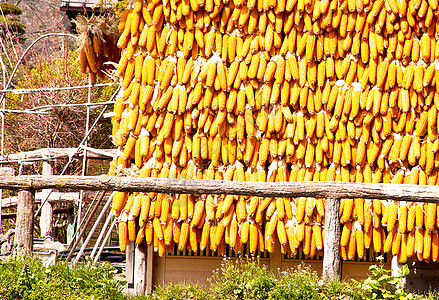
6,87
15,111
2,151
42,109
66,88
80,145
26,51
84,158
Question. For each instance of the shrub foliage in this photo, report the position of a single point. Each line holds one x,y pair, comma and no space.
242,279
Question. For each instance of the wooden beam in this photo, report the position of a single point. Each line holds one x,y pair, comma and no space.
53,153
57,211
7,171
54,197
140,258
331,248
321,189
129,263
23,241
149,269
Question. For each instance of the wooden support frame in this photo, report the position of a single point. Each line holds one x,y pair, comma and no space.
317,189
332,191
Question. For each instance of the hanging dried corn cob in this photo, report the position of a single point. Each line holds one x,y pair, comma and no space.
97,43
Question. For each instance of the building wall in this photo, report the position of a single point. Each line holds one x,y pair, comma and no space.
198,267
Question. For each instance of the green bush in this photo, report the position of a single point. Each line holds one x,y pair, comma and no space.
243,279
336,290
183,291
382,285
303,283
300,283
30,279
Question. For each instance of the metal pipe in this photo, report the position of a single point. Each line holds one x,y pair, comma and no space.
85,216
101,234
36,110
95,225
65,88
3,135
84,158
104,242
85,226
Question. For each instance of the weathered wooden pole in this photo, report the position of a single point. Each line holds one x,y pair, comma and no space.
149,269
46,219
331,249
23,243
130,269
317,189
140,258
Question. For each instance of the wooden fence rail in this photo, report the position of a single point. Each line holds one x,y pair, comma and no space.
331,190
321,189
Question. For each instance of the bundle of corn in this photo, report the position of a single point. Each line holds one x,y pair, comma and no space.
263,90
97,43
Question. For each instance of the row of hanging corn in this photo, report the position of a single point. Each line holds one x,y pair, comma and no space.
289,90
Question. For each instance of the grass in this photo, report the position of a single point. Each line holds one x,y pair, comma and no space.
243,279
29,279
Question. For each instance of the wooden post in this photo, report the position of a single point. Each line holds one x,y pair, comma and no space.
4,171
47,209
129,264
331,256
276,258
149,269
23,243
140,258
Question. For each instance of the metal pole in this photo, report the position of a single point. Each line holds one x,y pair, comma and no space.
90,234
104,242
85,226
101,235
90,207
84,159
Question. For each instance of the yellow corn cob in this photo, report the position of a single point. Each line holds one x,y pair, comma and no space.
345,234
427,245
377,239
396,244
392,215
347,210
123,235
419,240
430,216
435,247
